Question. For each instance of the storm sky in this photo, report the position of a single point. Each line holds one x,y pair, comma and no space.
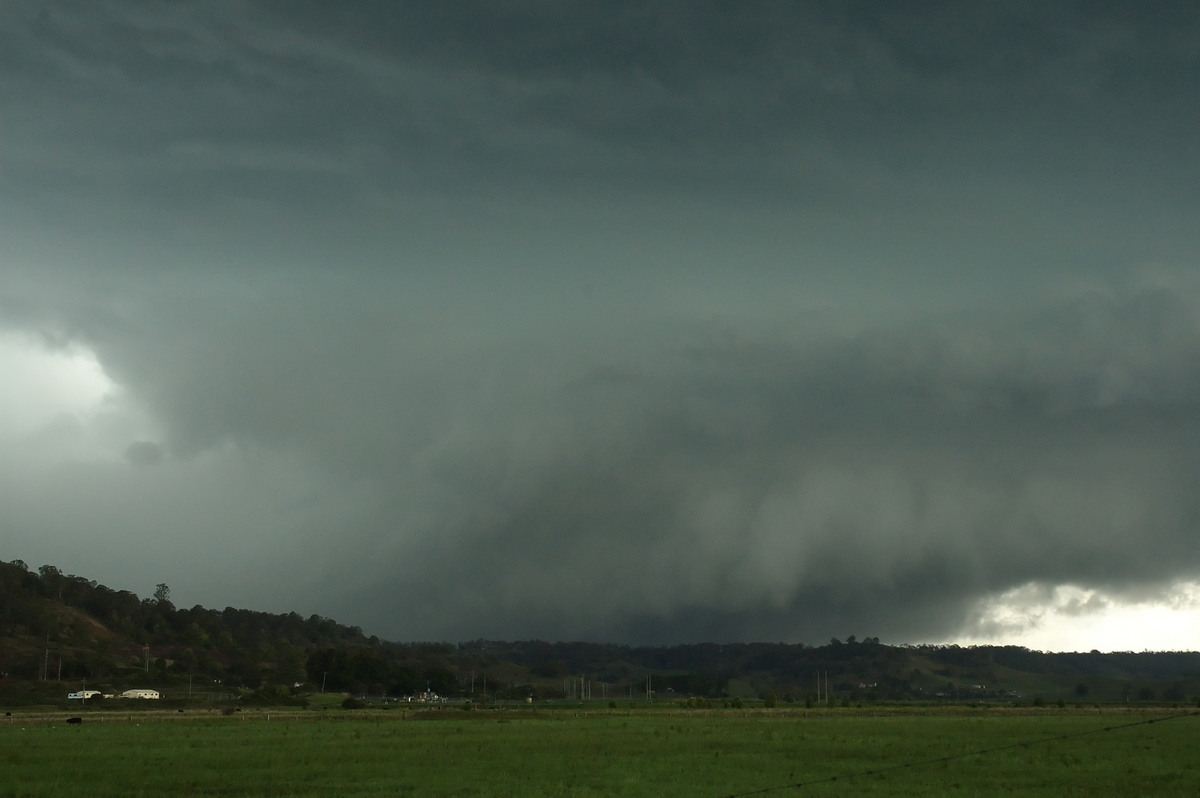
640,322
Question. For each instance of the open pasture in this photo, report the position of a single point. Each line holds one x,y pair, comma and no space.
642,753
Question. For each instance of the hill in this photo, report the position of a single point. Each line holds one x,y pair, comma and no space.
60,632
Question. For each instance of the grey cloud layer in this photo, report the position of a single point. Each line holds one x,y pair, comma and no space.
724,487
239,96
769,490
637,322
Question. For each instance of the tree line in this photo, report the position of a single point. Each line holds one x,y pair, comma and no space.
57,626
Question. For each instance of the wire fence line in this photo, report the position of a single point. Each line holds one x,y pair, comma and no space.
796,785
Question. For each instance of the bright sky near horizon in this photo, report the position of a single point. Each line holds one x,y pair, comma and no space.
630,322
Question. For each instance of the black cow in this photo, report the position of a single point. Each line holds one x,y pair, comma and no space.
74,721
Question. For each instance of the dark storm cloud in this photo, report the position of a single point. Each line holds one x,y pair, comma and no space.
231,97
144,454
855,138
630,321
764,489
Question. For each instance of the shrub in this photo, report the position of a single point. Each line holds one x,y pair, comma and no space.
273,696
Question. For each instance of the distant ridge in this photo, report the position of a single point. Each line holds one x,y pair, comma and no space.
60,631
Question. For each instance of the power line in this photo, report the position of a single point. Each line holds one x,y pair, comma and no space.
888,768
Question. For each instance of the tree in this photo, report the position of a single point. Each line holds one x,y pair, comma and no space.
441,680
162,593
369,668
329,668
52,581
405,681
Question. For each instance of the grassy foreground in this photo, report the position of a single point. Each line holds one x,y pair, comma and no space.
603,754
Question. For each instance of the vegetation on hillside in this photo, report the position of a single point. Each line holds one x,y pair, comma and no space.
60,632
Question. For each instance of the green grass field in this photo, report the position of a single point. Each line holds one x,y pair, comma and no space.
566,753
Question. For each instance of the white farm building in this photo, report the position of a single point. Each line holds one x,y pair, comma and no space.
139,693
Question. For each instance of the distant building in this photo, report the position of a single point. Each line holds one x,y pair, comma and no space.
83,695
140,693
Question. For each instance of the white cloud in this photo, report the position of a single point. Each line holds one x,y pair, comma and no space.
1076,618
46,384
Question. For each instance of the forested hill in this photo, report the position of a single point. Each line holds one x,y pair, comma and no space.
60,631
